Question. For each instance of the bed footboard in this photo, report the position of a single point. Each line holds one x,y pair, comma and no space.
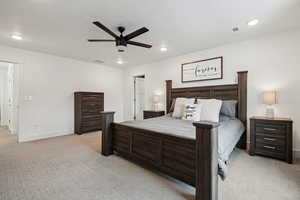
107,120
206,161
194,162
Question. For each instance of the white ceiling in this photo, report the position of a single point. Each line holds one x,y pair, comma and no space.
61,27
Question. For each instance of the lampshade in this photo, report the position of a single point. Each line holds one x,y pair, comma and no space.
156,99
269,98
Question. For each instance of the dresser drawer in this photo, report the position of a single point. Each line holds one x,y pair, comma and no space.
87,118
93,102
269,139
91,106
272,148
91,110
263,152
92,98
91,123
273,129
84,129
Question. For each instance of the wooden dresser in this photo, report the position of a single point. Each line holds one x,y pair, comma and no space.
272,137
88,108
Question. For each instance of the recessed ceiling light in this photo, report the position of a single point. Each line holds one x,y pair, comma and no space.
120,62
16,37
163,49
253,22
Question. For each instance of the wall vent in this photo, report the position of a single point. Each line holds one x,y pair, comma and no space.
99,61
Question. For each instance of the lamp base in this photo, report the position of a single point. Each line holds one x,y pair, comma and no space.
270,113
156,107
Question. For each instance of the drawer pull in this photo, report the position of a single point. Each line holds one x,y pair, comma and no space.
270,129
270,139
269,147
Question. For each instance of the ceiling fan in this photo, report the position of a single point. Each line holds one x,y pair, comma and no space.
121,41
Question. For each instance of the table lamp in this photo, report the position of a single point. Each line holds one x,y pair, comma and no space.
270,98
156,100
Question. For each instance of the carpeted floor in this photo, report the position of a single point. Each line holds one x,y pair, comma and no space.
71,168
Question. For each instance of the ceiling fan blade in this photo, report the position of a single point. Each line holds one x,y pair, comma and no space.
104,28
96,40
136,33
139,44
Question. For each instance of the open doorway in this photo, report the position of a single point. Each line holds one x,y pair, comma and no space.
139,97
9,90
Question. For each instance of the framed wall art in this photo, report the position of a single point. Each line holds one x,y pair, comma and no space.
202,70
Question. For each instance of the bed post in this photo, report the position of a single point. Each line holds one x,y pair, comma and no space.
206,161
107,120
168,95
242,105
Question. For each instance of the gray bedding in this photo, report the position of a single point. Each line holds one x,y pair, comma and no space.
229,133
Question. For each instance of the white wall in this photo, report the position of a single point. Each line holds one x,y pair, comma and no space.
273,63
51,81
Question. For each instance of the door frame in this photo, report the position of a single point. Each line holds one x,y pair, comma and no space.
134,94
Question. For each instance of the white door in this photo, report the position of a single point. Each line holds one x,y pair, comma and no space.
4,93
3,77
14,97
139,97
10,96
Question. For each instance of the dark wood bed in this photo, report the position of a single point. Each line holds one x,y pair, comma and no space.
193,161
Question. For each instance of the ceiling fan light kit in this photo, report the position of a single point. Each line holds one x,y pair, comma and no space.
121,41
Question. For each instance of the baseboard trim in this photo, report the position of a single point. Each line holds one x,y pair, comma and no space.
13,132
45,136
296,153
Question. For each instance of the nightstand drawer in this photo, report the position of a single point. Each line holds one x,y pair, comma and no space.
151,114
264,152
270,128
267,139
270,148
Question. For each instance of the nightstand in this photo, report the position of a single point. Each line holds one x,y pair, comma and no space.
272,137
152,113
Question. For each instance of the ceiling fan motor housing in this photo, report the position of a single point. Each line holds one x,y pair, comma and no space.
121,44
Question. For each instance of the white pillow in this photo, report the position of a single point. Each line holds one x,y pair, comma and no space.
210,109
192,112
180,106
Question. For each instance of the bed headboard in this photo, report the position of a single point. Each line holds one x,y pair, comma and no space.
224,92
